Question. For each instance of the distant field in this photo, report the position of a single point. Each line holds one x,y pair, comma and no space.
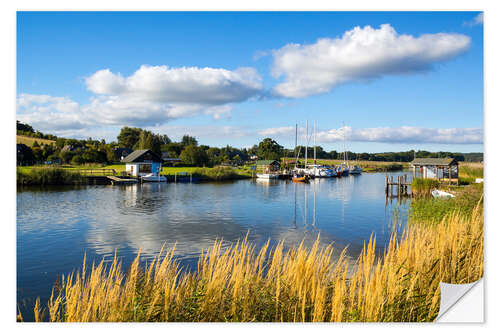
29,141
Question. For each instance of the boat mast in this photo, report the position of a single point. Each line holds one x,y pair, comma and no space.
307,142
343,133
315,142
298,153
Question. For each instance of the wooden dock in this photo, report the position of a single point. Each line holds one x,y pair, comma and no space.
121,181
401,184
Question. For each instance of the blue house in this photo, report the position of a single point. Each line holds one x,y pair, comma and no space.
142,162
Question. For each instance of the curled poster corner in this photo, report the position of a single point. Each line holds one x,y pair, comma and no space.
461,303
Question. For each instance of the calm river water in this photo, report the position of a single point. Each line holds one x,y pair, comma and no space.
57,226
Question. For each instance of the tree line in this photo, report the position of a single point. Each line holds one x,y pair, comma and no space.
75,151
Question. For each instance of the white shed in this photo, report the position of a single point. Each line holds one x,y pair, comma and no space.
142,162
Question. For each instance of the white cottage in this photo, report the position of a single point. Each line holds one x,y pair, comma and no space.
436,168
142,162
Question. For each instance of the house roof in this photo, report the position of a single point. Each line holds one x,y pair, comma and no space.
266,162
433,161
139,156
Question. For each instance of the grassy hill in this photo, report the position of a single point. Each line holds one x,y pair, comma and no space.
28,140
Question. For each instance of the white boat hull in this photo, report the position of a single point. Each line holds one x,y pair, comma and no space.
154,178
441,194
267,176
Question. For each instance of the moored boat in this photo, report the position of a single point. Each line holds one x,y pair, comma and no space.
355,170
268,175
152,177
303,179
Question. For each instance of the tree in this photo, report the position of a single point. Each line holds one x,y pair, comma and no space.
66,156
194,156
25,155
24,127
148,140
77,159
164,139
174,149
189,141
269,149
128,137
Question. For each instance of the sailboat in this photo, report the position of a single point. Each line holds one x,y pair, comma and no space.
343,169
300,175
316,170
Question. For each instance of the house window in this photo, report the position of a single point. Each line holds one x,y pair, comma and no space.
145,168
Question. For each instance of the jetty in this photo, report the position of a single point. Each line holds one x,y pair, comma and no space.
105,177
121,181
401,185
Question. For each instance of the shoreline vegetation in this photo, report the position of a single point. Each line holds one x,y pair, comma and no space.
300,284
69,174
50,175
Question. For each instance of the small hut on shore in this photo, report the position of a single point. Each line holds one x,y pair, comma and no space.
267,166
142,162
442,169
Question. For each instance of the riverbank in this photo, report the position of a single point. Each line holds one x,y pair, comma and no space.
301,284
48,176
69,175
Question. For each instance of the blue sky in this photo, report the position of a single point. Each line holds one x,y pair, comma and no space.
401,80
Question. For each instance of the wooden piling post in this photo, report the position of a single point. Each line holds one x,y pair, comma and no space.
175,178
399,186
391,190
386,185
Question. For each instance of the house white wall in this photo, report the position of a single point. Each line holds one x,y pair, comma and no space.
134,168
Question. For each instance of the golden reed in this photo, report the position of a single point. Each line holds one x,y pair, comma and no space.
300,284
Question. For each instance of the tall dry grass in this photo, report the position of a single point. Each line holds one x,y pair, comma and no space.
273,284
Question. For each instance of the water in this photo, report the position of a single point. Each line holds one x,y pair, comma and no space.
57,226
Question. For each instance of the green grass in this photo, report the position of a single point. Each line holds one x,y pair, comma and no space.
218,173
430,210
48,176
423,187
469,172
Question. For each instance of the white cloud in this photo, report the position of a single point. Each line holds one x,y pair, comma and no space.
360,54
219,112
156,94
404,134
477,20
278,131
47,113
105,82
151,96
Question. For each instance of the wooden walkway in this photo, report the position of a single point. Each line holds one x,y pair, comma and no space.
121,181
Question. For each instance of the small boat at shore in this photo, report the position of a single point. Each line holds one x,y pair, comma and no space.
355,170
267,175
303,179
441,194
152,177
